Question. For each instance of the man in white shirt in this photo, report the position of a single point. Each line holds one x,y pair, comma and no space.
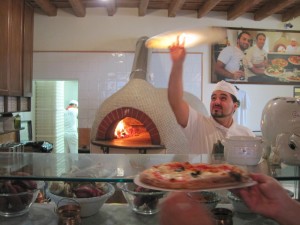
203,132
293,47
71,127
256,57
230,59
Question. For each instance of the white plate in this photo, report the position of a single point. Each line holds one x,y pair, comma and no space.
273,75
226,187
291,80
297,64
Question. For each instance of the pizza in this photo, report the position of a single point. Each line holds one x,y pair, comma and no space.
294,60
280,62
184,175
274,70
293,78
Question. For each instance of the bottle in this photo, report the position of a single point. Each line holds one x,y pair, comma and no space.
241,65
241,68
17,121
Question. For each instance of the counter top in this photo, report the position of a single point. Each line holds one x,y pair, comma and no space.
115,214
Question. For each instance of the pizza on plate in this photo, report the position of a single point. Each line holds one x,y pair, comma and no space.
274,70
294,60
183,175
280,62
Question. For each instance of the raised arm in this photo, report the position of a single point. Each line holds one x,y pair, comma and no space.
175,89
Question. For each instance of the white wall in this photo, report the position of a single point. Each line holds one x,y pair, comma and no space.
99,32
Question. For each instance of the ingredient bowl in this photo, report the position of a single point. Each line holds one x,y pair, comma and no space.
16,197
88,205
208,198
141,200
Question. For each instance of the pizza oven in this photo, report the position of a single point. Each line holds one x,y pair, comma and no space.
139,114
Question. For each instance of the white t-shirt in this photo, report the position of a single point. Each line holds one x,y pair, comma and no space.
292,49
231,57
203,132
254,55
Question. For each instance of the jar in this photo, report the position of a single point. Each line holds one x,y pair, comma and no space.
69,212
17,121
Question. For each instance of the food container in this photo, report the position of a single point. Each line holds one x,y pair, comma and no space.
89,206
19,203
243,150
141,200
209,199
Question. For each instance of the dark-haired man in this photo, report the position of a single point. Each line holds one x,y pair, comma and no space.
203,132
230,60
256,57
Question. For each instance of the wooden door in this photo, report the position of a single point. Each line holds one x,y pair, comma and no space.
27,50
4,60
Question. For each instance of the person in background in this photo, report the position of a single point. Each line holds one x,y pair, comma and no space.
293,47
71,127
202,132
230,60
256,57
267,198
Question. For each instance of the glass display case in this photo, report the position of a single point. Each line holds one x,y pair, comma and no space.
115,168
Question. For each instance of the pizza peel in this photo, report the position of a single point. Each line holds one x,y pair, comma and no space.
191,38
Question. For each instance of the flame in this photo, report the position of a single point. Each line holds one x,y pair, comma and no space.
120,130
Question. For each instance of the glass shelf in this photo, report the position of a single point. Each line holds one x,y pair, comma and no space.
106,167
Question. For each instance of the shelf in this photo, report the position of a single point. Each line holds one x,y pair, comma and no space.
106,167
11,131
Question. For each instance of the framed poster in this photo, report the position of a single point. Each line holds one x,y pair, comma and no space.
256,56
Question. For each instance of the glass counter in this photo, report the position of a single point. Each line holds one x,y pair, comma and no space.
108,167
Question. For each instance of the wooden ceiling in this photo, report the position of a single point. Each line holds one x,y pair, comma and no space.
261,9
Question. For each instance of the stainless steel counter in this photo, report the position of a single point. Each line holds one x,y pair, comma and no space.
116,214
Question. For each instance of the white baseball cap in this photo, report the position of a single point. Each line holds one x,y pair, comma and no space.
73,102
227,87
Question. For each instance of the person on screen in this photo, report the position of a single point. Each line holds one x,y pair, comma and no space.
229,64
203,133
293,47
256,57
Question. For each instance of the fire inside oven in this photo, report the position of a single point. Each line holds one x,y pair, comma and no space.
130,128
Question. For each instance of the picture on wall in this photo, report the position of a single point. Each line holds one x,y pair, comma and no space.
256,56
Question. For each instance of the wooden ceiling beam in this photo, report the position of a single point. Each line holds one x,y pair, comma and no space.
78,8
143,7
291,14
111,7
207,7
240,8
175,6
47,7
270,8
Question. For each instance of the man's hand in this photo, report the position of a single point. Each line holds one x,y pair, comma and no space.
177,50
